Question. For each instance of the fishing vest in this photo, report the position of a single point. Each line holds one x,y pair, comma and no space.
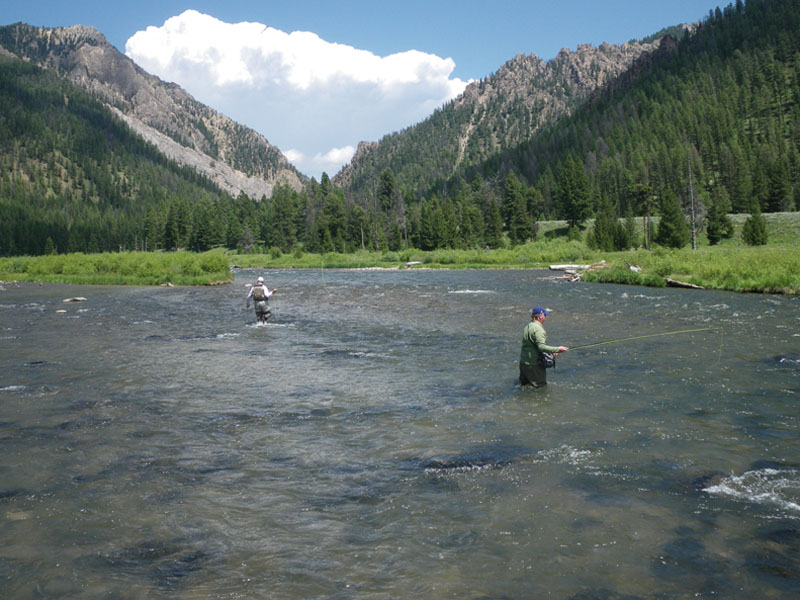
259,293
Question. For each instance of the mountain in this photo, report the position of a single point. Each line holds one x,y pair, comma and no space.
75,177
235,157
499,112
712,118
708,122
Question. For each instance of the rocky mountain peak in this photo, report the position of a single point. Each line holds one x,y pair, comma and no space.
508,107
237,158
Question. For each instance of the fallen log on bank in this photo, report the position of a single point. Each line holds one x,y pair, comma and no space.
598,265
569,275
573,273
569,267
682,284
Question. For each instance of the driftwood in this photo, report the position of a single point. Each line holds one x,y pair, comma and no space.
572,273
633,268
571,276
682,284
569,268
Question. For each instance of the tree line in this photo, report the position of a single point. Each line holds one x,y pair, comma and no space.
713,120
710,126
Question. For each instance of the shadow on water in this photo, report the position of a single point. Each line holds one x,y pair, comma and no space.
686,561
168,565
774,558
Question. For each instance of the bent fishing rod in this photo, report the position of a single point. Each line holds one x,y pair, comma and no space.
640,337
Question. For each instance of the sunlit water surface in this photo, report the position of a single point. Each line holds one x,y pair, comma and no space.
371,441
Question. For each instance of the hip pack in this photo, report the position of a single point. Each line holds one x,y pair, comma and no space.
547,360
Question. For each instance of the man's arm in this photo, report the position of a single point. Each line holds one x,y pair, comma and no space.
540,341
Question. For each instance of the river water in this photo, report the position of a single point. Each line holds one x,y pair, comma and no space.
371,441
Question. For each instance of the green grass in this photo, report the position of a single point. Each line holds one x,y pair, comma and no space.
731,265
123,268
531,255
767,269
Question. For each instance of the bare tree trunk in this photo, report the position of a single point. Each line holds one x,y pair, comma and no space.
691,195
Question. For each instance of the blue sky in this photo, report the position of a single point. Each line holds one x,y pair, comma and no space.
369,69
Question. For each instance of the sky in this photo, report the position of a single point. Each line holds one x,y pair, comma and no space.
315,78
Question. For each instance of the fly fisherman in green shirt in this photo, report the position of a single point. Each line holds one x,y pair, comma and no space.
532,370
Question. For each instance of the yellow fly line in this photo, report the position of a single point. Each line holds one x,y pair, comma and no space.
640,337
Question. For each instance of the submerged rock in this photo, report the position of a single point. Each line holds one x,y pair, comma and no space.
495,456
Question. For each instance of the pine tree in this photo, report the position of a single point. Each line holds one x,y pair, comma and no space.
754,232
521,228
779,197
719,225
672,231
512,191
449,227
386,187
494,226
430,225
336,218
233,232
356,227
644,202
606,224
573,192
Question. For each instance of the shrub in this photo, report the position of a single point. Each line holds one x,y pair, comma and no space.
754,232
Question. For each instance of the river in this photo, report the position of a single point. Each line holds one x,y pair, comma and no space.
371,441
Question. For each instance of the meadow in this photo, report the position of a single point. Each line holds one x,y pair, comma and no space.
120,268
731,265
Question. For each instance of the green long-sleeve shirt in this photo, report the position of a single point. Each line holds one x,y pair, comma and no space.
534,340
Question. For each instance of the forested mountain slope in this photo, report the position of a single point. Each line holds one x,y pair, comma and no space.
236,157
497,113
74,177
708,123
716,114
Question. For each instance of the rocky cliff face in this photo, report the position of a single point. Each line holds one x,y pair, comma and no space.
511,105
237,158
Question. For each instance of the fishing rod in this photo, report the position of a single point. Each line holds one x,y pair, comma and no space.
639,337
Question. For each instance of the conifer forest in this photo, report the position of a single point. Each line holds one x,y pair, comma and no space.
709,125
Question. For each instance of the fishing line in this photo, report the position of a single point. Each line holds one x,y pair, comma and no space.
641,337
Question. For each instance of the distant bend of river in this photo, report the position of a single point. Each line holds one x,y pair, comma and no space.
371,441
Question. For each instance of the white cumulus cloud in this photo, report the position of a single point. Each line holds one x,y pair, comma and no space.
312,98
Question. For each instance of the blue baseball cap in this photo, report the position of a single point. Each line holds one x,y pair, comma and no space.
538,310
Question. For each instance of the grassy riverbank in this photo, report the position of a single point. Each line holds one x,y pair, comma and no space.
769,269
774,268
120,268
731,265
